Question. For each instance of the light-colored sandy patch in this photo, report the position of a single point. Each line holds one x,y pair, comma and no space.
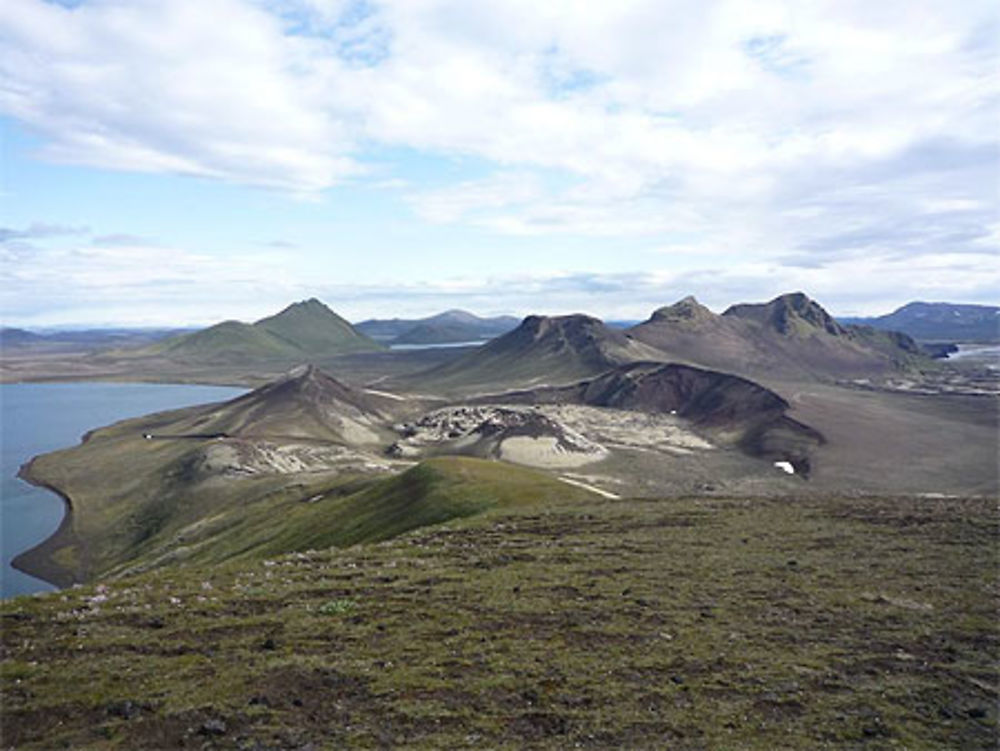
591,488
256,457
545,452
629,429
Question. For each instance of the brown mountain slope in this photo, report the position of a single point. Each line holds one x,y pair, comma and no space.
788,338
306,403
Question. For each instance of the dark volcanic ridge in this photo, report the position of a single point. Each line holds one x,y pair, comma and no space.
732,409
542,350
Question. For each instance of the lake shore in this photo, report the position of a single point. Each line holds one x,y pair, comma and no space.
41,544
38,561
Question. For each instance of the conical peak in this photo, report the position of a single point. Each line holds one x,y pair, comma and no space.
789,313
808,310
307,383
688,309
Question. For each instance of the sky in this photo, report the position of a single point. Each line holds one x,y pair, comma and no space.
181,162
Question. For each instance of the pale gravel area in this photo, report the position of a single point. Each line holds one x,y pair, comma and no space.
587,486
546,452
252,457
355,432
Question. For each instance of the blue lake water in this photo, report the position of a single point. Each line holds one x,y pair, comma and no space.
36,418
444,345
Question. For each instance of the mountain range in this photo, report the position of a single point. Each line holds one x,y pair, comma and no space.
452,326
789,338
940,321
82,340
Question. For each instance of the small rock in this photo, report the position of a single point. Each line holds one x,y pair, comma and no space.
213,727
124,709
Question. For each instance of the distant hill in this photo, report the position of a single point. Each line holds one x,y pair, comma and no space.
312,327
543,349
15,338
621,323
82,340
445,328
790,336
940,321
303,330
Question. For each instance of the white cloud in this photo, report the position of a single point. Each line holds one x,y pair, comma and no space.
144,283
457,202
803,143
225,89
212,88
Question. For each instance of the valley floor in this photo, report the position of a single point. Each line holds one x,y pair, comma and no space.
686,623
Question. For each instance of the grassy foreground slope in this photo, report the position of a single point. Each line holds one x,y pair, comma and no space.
589,623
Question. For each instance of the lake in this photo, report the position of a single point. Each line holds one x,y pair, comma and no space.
980,354
442,345
36,418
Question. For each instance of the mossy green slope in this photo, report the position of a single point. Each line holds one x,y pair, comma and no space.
302,331
229,341
139,504
432,492
311,327
296,463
